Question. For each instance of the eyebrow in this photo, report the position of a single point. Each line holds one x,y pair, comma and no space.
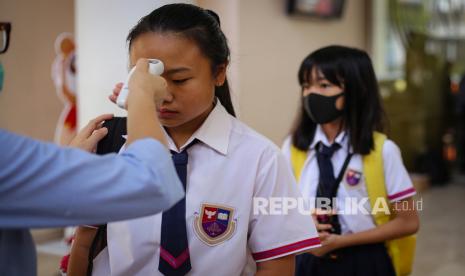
310,81
177,70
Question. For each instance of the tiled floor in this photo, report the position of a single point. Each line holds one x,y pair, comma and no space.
440,244
48,264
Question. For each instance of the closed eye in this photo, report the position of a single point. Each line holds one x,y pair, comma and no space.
181,81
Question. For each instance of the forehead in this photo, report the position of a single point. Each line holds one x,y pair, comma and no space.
313,74
170,48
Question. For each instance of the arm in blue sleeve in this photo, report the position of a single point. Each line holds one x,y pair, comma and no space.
43,185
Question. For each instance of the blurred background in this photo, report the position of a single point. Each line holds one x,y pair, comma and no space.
65,56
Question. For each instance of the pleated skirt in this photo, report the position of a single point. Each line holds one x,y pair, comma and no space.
362,260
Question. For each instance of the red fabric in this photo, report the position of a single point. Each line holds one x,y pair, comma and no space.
401,194
64,263
285,249
71,118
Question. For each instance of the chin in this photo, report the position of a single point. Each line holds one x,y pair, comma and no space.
169,123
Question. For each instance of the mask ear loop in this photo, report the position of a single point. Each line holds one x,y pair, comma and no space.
341,126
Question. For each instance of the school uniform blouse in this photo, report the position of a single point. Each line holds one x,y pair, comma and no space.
353,187
227,169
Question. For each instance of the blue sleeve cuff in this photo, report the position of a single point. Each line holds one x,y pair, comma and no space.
156,156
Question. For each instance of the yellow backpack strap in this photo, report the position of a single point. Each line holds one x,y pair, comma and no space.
374,174
401,251
298,158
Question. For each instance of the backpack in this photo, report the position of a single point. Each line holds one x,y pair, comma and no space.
112,143
402,250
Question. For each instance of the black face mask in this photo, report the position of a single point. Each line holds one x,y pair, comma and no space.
322,109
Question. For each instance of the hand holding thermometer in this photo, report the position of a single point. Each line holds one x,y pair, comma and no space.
155,67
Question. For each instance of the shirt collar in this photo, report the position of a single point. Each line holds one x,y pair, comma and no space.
214,132
320,136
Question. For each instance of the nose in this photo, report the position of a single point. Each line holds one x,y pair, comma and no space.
169,96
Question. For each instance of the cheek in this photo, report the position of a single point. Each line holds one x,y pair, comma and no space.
195,96
340,103
305,92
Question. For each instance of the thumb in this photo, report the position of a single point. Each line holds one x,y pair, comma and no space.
97,136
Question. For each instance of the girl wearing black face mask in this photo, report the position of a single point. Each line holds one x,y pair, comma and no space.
337,152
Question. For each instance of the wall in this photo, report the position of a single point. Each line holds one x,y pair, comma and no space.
267,47
28,102
268,51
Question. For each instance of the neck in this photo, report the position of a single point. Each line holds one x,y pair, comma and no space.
332,129
181,134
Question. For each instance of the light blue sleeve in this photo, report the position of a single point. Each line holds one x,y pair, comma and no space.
43,185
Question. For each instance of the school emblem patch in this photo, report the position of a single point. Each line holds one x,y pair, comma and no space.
214,224
353,177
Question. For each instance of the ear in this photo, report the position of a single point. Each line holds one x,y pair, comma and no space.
220,74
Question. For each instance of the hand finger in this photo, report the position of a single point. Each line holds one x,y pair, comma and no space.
117,89
164,95
97,121
161,80
142,65
97,136
93,124
323,236
322,227
113,98
115,92
322,212
99,126
315,220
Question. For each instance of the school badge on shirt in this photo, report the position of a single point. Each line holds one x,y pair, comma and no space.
352,178
214,224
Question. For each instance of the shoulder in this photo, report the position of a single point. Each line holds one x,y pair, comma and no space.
390,150
287,143
286,147
246,138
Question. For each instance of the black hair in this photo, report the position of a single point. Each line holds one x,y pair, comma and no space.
363,112
201,26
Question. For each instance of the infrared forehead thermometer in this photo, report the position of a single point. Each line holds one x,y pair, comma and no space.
155,67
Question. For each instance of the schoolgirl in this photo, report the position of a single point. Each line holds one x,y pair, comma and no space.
223,164
332,150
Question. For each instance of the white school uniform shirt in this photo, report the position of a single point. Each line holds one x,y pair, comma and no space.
230,166
398,183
